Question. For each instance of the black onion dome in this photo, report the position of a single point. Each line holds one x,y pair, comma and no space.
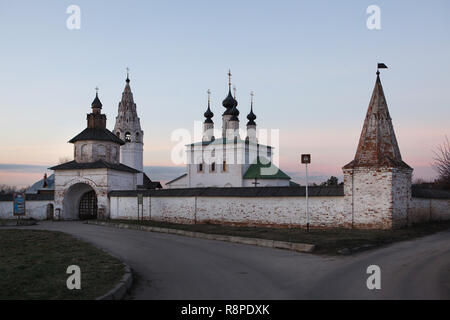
96,103
229,103
208,115
234,112
251,118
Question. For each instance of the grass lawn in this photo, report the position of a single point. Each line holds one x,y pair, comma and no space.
33,265
327,241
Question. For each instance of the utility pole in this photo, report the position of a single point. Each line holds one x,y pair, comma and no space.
306,159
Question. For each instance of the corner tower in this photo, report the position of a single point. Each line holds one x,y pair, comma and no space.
377,183
128,128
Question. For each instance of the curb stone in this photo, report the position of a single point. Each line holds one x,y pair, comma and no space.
121,289
293,246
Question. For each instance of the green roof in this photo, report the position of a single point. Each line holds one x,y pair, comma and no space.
254,172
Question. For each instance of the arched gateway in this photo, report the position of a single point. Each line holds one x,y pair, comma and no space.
80,202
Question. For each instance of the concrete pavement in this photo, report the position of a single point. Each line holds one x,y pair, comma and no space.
175,267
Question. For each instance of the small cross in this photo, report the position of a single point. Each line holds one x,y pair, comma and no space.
96,89
209,95
229,77
128,71
256,182
252,95
234,90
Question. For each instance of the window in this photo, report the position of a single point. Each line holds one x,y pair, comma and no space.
114,153
101,151
128,137
84,150
200,167
213,167
137,136
224,166
118,133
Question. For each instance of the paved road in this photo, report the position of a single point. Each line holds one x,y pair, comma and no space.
176,267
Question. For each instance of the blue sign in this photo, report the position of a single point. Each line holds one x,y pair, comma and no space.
19,204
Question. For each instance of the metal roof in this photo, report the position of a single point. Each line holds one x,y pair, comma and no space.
100,164
236,192
98,135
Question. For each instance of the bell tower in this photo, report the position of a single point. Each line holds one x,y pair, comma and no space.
128,128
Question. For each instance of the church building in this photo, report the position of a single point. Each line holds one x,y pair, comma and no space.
230,160
103,162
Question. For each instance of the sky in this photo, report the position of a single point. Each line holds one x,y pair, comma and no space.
311,65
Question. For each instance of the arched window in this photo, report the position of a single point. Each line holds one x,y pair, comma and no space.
137,137
128,137
213,167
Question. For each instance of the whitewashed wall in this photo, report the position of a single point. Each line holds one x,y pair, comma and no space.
36,209
268,211
423,210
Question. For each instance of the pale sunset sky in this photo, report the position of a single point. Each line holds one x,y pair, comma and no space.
311,65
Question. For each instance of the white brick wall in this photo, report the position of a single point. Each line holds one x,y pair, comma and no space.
269,211
368,197
33,209
423,210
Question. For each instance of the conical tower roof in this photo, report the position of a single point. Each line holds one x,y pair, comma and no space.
378,145
127,118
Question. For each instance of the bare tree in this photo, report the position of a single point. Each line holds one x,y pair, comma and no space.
442,162
5,189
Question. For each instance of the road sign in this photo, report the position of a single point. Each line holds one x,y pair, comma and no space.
306,158
19,204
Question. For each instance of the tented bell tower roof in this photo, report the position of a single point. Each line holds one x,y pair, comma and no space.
378,145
